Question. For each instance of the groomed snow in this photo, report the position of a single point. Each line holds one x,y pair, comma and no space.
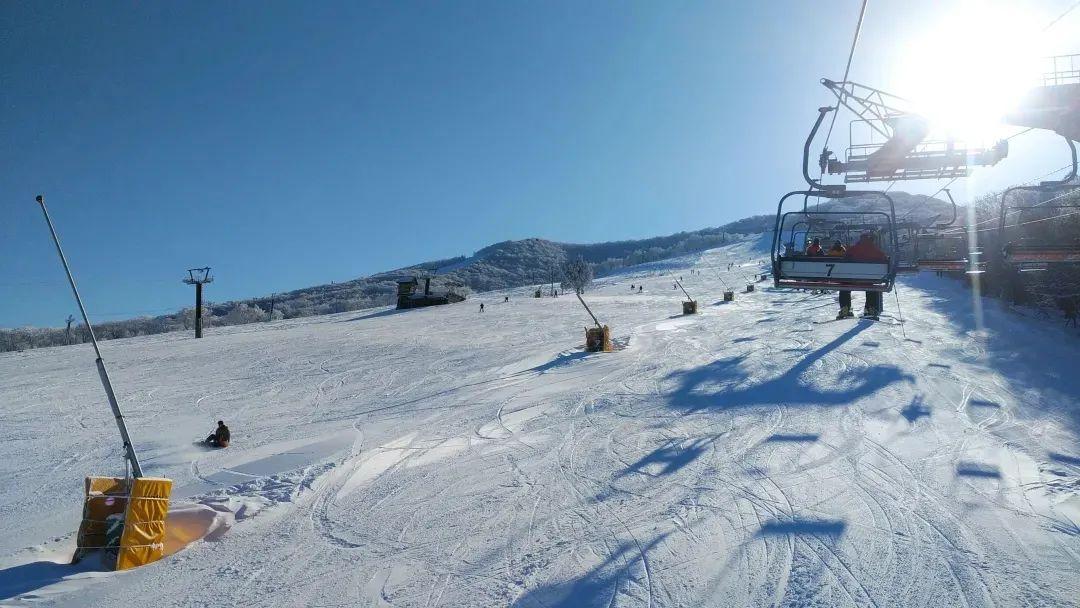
754,454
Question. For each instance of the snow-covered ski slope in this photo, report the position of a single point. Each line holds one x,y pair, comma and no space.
755,454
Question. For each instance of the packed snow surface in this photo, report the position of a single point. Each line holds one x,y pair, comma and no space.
758,453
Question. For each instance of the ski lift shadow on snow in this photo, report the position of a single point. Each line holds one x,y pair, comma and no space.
720,385
597,587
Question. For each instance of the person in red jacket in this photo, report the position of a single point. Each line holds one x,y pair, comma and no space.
866,250
814,248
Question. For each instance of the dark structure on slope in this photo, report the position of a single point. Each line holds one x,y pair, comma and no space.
407,296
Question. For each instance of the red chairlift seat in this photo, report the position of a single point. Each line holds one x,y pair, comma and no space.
1025,253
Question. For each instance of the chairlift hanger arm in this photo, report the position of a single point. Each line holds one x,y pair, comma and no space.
816,188
948,193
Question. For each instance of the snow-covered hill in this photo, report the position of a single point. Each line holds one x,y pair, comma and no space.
758,453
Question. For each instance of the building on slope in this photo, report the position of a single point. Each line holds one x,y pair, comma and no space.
408,296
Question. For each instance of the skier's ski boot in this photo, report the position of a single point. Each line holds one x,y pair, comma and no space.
845,313
870,313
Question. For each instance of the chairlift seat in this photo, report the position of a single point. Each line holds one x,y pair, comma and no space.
908,267
952,265
833,273
1017,253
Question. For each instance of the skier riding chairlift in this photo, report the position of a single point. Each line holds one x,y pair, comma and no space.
867,249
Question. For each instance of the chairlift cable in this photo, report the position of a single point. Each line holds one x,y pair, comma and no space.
1030,181
1017,225
1062,16
1019,133
847,68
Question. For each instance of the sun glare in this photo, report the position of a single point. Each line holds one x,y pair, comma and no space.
970,68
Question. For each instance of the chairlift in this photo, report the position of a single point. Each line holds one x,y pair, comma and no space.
1027,254
906,248
794,269
947,253
1053,106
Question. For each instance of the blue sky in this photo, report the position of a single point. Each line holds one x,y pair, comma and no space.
292,144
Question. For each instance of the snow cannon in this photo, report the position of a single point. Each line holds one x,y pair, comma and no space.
729,295
689,307
598,339
124,518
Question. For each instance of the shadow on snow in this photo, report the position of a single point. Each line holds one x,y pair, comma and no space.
915,410
829,528
705,388
670,457
25,578
600,586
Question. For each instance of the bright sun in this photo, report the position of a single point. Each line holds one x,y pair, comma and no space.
971,67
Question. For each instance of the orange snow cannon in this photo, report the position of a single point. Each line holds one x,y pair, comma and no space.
125,519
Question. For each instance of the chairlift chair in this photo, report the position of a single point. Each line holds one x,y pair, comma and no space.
947,253
795,270
1025,253
1053,105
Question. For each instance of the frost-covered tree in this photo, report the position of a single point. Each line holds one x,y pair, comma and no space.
577,275
242,313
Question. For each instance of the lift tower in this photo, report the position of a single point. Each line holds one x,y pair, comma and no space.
198,277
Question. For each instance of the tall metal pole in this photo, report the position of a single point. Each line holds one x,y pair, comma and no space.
595,320
679,283
129,450
198,310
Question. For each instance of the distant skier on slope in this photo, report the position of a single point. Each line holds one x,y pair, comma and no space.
220,437
481,307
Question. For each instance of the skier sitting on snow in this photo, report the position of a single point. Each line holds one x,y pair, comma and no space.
220,437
